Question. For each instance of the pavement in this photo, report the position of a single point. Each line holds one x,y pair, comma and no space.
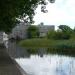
9,66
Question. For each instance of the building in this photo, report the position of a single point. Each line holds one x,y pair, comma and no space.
43,29
21,30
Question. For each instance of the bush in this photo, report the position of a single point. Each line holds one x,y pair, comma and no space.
51,34
33,32
58,35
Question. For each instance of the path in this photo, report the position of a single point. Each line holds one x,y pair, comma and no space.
7,65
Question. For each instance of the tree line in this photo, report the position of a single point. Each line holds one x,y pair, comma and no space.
64,32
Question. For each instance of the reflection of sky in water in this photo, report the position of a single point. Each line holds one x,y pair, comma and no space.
48,65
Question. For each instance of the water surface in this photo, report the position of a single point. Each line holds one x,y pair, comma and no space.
48,64
43,61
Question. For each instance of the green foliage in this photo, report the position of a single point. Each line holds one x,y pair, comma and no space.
72,36
61,35
65,29
48,43
64,32
74,29
33,32
12,9
57,35
51,34
37,42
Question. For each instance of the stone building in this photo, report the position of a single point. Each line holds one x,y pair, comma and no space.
43,29
21,30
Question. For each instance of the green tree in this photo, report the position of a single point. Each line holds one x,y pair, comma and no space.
57,35
51,34
33,32
12,9
61,35
74,30
73,34
65,29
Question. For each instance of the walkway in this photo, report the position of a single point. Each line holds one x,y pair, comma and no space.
7,65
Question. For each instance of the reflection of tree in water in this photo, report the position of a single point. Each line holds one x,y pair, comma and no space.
59,69
67,68
71,67
38,51
17,51
66,52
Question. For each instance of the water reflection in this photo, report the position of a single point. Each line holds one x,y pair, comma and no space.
44,61
48,65
16,51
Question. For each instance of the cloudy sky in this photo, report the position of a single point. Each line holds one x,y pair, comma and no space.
60,12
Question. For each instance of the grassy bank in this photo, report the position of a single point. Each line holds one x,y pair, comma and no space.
53,44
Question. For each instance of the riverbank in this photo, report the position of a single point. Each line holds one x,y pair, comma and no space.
53,44
9,66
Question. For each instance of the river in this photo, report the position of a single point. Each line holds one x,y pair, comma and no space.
41,62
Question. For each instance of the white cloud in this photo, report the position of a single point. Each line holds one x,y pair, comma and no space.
61,12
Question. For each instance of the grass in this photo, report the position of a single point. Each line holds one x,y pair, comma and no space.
54,44
36,43
61,47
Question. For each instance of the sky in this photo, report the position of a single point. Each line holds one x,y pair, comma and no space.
60,12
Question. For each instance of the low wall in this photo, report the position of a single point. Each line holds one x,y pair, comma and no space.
19,67
6,59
